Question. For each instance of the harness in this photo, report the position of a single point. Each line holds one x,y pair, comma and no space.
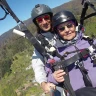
77,59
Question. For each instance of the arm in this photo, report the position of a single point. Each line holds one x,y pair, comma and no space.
47,86
94,42
49,74
38,67
40,73
54,77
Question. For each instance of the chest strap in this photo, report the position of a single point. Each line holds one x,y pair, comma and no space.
65,63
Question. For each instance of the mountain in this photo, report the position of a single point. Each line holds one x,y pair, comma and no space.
9,34
74,6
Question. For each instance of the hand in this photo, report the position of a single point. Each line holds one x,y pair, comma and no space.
59,75
47,86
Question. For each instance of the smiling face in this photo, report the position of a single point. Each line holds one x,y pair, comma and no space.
67,30
44,22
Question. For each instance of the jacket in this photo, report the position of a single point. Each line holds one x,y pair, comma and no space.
38,60
76,78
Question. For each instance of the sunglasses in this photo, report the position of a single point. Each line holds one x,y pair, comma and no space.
62,28
40,19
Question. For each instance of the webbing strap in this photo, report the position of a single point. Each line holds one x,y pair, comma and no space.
83,13
34,42
86,78
84,10
88,16
68,62
68,86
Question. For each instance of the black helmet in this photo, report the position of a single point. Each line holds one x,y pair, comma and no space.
86,91
40,9
63,16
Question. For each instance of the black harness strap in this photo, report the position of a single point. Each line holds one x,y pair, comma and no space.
90,40
84,10
86,78
68,62
88,16
34,42
45,44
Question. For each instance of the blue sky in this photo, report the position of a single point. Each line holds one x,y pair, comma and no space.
22,8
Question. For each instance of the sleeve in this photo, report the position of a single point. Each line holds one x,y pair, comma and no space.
49,74
94,42
51,79
38,67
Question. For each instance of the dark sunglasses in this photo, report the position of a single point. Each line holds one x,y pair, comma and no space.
40,19
69,25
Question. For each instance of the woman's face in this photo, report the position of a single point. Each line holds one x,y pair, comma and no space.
44,22
67,30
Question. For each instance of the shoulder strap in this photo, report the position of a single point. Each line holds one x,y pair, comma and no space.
90,40
42,39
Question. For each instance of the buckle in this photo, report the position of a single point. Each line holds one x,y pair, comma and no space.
78,63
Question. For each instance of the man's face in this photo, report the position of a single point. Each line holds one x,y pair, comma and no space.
44,22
